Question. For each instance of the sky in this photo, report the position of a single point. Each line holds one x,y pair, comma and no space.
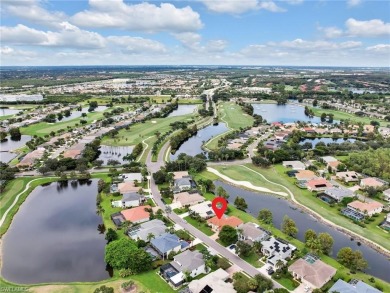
199,32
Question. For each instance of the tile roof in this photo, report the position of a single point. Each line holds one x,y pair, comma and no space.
317,273
188,261
365,206
136,214
229,221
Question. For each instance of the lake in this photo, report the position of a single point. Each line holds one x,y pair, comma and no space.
283,113
193,145
114,153
326,140
378,264
8,145
6,112
54,237
183,110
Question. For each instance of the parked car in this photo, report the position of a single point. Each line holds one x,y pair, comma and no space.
270,270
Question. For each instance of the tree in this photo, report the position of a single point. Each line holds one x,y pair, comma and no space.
111,235
43,170
228,235
15,133
240,203
3,135
326,242
289,227
222,192
351,259
314,245
223,263
263,283
150,237
97,163
104,289
309,235
124,254
243,249
265,216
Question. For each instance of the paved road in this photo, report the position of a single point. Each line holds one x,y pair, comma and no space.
246,267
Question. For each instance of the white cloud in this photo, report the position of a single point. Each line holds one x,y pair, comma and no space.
216,45
299,44
31,10
137,45
189,40
8,51
369,28
193,42
68,36
138,17
331,32
238,7
294,2
352,3
380,48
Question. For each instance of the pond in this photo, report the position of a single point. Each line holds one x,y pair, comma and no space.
378,264
183,110
6,112
54,237
325,140
283,113
8,145
114,153
193,145
76,114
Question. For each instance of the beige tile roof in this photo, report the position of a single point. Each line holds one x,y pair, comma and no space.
365,206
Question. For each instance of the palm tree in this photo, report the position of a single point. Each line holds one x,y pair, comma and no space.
279,264
150,237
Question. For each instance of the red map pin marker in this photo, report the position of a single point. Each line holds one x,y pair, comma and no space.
219,206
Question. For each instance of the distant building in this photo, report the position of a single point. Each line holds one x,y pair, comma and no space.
20,97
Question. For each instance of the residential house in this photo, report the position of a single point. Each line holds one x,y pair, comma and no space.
312,272
366,208
295,165
182,184
384,131
281,135
217,224
354,286
214,282
328,159
251,232
319,184
368,129
166,243
128,200
29,160
333,165
204,210
277,251
180,174
349,176
136,215
187,198
272,144
386,223
304,176
141,232
188,262
372,182
73,154
127,187
386,194
337,193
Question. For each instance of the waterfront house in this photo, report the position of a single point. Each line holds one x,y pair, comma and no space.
295,165
204,210
141,232
372,182
318,184
312,272
354,286
366,208
127,187
136,215
187,198
251,232
166,243
128,200
304,176
277,250
348,176
182,184
217,224
337,193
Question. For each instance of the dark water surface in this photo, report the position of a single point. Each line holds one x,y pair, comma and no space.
183,110
54,237
379,265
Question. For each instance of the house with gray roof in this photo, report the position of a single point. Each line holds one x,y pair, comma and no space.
277,250
214,282
251,232
354,286
295,165
130,177
166,243
132,199
182,184
338,193
141,232
386,195
191,262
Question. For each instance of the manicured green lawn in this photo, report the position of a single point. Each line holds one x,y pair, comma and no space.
43,128
290,284
140,131
234,117
253,259
241,173
200,226
339,115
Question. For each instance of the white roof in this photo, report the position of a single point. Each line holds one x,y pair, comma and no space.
215,280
